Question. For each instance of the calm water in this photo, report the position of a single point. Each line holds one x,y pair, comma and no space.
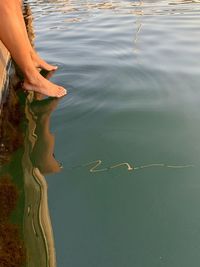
132,69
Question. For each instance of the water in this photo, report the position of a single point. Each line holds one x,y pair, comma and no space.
132,72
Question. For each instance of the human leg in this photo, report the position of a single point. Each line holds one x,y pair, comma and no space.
37,60
12,35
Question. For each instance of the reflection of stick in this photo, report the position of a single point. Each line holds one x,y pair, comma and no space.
151,165
130,168
99,162
180,167
93,169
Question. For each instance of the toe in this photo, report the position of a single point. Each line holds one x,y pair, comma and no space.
54,67
47,66
64,91
51,67
61,92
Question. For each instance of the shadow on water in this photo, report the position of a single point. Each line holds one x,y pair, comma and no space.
27,152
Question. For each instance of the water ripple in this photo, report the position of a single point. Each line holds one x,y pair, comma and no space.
116,55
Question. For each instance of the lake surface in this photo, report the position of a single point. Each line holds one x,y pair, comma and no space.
132,69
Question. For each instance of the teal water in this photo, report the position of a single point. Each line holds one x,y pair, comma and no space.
132,72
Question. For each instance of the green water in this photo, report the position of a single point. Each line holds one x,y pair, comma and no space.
132,72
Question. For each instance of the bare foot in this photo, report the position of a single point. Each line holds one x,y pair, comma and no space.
39,96
40,63
41,85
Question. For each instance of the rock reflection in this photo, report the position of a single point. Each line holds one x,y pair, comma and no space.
12,245
27,152
12,250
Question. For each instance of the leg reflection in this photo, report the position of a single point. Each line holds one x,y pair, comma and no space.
42,155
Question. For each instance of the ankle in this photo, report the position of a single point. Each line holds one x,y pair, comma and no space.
32,77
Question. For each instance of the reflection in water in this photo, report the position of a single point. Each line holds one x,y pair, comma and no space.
38,159
28,18
25,227
27,152
178,2
122,111
12,247
12,250
79,8
42,155
94,166
131,167
31,153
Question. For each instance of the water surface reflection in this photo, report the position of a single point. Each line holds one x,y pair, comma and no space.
27,152
38,159
132,70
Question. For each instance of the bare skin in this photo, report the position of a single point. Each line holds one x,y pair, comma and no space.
39,96
37,60
13,37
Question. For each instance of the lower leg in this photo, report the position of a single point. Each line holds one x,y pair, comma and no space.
12,35
37,60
